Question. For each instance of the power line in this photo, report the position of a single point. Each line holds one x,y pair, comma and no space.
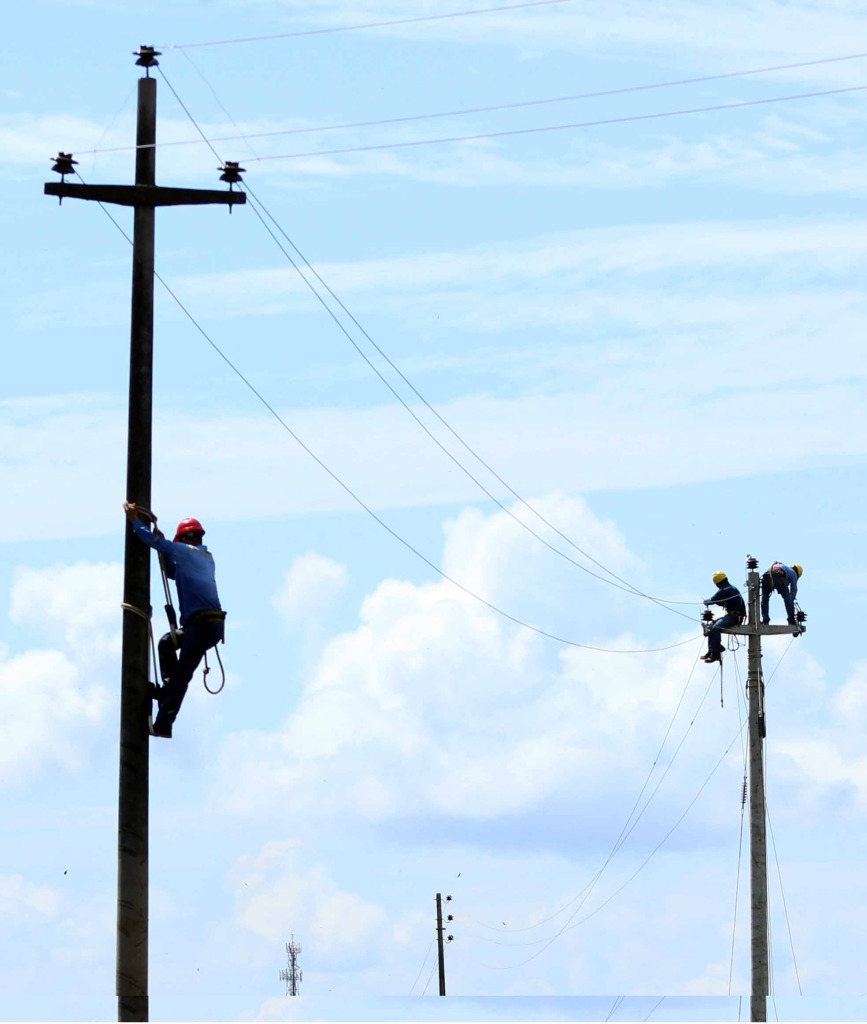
560,127
494,108
377,518
785,907
367,25
624,835
424,961
569,925
622,584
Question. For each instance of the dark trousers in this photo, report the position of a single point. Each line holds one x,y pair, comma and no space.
714,636
177,667
777,581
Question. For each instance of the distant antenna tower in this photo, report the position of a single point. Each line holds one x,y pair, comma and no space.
292,976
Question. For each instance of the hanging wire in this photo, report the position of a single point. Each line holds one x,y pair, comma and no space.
626,830
569,925
783,896
367,25
245,137
655,1008
257,205
429,978
617,1003
424,961
377,518
571,126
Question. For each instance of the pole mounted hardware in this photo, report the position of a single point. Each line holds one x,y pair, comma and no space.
63,165
231,172
147,58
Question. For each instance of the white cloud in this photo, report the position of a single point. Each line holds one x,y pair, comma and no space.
309,587
435,705
25,903
277,888
50,711
80,603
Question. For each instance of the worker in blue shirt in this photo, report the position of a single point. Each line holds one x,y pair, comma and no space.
730,600
189,563
784,580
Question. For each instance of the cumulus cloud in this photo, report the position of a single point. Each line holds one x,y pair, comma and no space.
55,693
277,887
436,705
309,586
79,603
49,711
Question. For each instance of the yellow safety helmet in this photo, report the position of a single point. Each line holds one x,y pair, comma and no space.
718,577
799,569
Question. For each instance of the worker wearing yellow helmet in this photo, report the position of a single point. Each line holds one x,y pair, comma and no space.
729,598
783,579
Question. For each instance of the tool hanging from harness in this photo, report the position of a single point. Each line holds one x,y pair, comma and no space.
177,632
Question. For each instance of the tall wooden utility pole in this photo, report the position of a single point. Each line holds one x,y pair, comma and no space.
132,844
754,630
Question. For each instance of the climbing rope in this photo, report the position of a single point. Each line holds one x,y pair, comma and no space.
208,669
147,617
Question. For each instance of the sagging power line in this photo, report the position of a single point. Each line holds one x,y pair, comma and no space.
615,581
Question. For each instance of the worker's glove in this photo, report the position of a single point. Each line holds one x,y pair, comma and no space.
707,604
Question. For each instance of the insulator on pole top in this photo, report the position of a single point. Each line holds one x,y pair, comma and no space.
752,563
64,164
232,172
147,58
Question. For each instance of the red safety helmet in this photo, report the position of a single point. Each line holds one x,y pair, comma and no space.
188,526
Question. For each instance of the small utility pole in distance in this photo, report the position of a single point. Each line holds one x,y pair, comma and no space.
754,630
292,976
144,196
440,943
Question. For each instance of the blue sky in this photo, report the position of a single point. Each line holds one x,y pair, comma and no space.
649,331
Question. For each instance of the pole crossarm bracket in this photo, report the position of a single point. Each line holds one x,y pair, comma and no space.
144,195
763,630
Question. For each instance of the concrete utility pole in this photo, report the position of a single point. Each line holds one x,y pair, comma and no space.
144,197
754,630
440,943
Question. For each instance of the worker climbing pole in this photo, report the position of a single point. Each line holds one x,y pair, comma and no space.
188,562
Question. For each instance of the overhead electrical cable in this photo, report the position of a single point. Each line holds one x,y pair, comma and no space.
623,834
621,839
424,961
512,132
569,926
260,211
332,29
460,112
783,897
655,1008
362,504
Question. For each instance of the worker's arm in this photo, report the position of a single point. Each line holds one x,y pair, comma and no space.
154,539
